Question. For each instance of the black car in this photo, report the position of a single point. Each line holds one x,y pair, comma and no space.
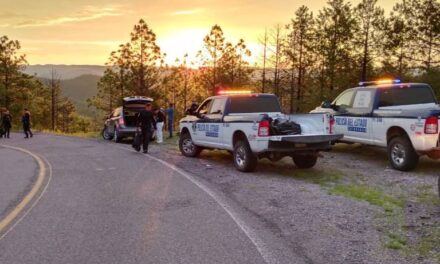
121,122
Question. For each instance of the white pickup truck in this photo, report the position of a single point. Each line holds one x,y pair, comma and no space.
400,116
252,126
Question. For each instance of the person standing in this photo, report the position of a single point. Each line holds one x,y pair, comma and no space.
26,120
160,119
170,119
7,123
146,122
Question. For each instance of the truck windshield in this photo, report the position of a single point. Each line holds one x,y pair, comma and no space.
254,104
416,94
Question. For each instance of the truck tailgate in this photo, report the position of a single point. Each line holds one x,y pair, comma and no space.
307,139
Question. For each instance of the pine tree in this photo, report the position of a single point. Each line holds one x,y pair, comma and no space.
11,62
299,53
369,35
335,29
145,58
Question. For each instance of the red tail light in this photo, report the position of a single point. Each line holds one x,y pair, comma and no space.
431,125
264,128
331,124
121,122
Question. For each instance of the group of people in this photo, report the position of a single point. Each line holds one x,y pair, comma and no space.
150,121
6,124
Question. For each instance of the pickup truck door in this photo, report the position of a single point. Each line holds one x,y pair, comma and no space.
210,125
354,119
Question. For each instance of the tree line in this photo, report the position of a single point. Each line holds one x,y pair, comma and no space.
311,58
43,98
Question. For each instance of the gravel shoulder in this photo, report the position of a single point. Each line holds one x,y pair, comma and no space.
350,208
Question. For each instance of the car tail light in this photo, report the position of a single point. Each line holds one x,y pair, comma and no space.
121,122
331,124
264,128
431,125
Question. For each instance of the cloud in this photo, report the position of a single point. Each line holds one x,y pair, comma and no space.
187,12
86,14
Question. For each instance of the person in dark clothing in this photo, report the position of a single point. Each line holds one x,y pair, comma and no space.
146,122
26,120
193,108
7,123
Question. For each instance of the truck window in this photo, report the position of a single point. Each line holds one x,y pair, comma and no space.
254,104
345,99
363,99
205,107
417,94
218,106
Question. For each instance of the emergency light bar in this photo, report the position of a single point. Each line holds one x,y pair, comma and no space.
232,92
386,81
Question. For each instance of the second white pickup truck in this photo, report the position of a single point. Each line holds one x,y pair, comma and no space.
252,126
404,117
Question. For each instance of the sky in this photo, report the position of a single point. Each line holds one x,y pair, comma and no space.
85,32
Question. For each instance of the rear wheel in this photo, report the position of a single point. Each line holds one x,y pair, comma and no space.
187,146
401,154
105,134
244,159
305,161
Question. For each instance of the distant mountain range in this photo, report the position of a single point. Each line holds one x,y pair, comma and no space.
64,71
78,82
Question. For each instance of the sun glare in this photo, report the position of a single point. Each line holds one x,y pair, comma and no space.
180,42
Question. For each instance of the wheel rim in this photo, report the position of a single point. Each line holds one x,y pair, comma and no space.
187,146
398,154
240,157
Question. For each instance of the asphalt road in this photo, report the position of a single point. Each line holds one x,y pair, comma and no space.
17,173
107,204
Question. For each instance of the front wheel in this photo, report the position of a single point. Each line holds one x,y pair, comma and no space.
305,161
401,154
187,146
244,159
105,134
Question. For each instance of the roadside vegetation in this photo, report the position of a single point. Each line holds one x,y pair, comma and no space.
312,57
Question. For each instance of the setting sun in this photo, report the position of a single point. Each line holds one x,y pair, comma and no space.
81,32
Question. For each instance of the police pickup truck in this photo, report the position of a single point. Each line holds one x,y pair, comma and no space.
400,116
244,124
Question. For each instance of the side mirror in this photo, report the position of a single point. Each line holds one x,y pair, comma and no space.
326,104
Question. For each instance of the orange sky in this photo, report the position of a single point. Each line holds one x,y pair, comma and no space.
85,32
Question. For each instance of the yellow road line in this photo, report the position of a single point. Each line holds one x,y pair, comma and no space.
5,222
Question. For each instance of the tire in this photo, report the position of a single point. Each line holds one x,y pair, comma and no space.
305,161
105,134
116,137
401,154
187,146
244,159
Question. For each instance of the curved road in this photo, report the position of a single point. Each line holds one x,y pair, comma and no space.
107,204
